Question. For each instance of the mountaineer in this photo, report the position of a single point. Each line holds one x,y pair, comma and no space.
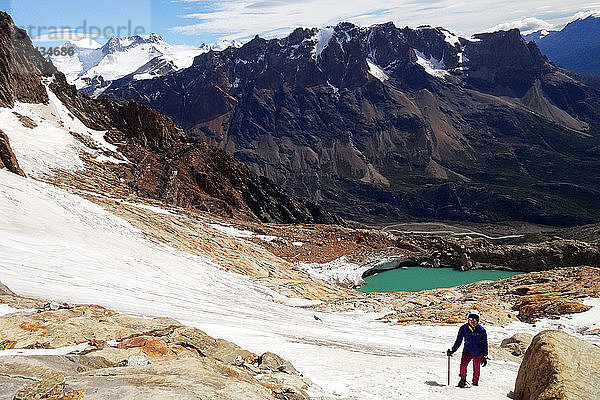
476,348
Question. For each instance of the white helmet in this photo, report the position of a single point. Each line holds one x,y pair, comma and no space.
474,314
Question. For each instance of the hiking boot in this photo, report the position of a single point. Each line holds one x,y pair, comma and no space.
462,383
475,384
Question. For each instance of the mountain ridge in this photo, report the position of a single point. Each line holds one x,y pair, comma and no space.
142,145
368,122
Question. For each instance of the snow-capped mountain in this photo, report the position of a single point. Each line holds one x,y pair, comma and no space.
575,47
93,67
359,117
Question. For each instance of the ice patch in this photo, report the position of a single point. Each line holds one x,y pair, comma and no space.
339,271
376,71
238,233
322,37
6,309
335,89
232,231
60,351
432,66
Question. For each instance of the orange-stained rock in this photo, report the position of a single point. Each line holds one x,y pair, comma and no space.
7,344
155,349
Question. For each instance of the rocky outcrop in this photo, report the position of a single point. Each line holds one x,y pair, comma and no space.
21,66
519,254
125,357
8,159
383,123
558,366
558,292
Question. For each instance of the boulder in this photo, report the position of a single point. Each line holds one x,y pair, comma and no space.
272,362
559,366
538,306
517,343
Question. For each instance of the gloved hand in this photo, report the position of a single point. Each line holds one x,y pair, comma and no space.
484,361
449,353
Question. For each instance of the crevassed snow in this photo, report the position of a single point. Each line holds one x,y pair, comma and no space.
432,66
57,246
376,71
49,145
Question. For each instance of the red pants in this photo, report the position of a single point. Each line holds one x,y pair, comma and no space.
464,361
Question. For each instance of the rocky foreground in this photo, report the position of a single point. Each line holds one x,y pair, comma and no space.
106,355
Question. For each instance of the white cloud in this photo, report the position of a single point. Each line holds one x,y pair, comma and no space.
242,19
526,25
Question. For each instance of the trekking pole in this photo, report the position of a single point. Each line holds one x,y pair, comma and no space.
448,370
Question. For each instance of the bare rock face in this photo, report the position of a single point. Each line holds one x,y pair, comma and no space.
21,66
8,159
326,125
559,366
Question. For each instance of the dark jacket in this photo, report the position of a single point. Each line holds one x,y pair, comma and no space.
476,343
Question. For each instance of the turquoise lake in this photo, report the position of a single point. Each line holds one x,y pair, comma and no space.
414,279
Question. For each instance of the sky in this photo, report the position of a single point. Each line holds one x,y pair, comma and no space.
194,22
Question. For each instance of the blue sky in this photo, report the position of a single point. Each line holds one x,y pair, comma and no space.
194,22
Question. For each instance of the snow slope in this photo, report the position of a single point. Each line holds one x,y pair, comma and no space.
57,246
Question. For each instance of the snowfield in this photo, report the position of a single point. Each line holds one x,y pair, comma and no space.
57,246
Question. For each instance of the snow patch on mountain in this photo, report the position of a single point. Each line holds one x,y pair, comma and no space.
586,14
93,68
451,38
322,39
377,71
432,66
50,144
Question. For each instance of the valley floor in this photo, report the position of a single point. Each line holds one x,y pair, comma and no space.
57,246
